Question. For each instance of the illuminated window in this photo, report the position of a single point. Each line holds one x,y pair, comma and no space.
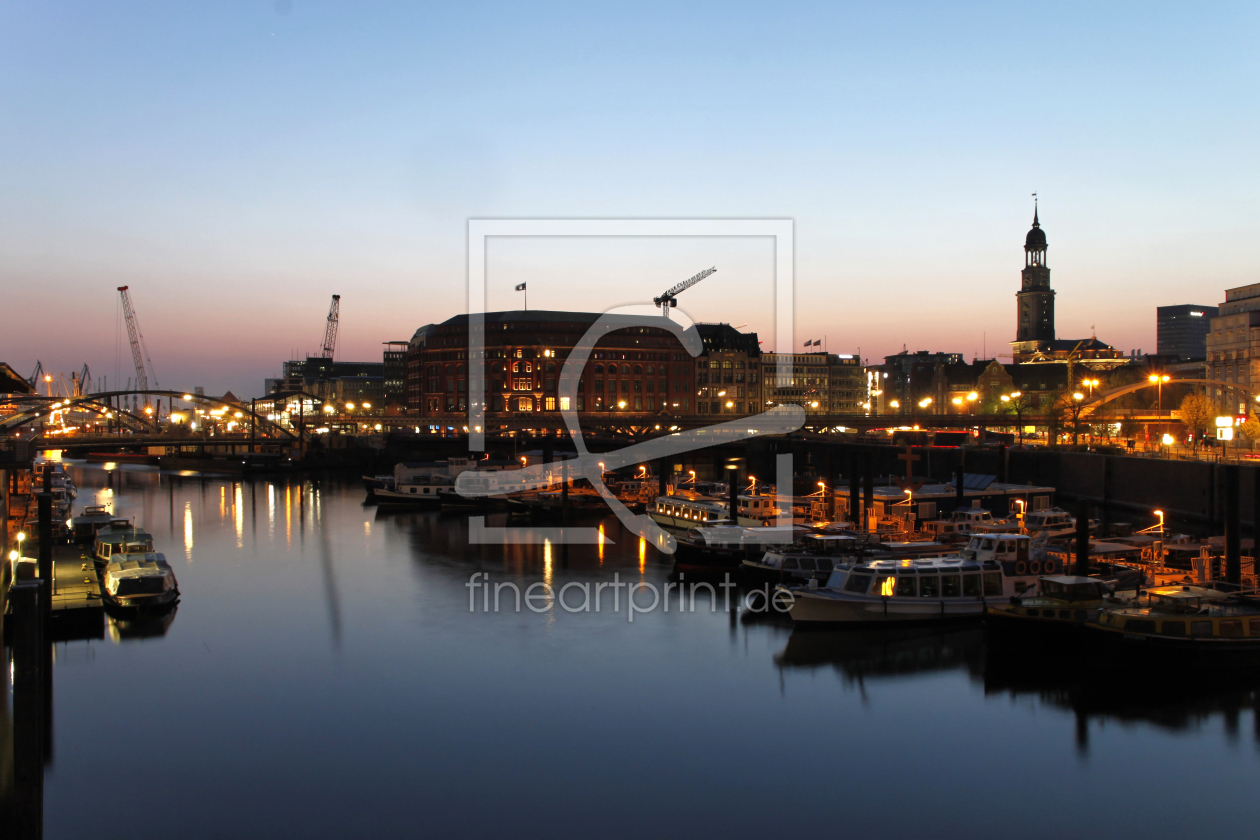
551,403
524,404
564,403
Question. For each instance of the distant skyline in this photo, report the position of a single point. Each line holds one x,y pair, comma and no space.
237,164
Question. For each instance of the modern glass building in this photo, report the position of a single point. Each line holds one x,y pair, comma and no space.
1183,330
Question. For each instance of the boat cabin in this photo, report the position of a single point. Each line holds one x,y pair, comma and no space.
1054,519
680,512
112,542
1072,588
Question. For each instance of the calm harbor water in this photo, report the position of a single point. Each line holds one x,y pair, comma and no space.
324,677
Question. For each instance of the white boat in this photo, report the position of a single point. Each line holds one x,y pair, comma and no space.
680,514
1054,523
817,555
140,581
992,568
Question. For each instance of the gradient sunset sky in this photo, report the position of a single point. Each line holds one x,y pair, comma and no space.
238,163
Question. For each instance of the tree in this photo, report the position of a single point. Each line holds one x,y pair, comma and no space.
1196,412
1251,429
1066,412
1015,403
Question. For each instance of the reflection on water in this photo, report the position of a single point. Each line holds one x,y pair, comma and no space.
326,678
141,625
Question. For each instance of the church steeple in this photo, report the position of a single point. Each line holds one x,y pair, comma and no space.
1035,300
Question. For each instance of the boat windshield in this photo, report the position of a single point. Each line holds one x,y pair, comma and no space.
1072,591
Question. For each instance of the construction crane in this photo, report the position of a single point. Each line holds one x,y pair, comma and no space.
39,371
330,331
139,352
670,298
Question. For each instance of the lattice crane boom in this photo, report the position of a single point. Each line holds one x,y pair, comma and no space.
139,352
670,298
330,330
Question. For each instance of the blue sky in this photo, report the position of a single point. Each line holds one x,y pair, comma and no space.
237,163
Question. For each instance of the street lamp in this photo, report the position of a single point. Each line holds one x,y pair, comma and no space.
925,402
1160,514
1159,381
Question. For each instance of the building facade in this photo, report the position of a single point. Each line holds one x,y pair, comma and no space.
822,383
1182,330
728,371
633,371
1233,346
394,385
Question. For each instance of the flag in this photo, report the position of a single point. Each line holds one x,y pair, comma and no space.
520,287
818,342
809,344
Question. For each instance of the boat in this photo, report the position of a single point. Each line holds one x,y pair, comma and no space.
723,546
140,582
93,519
120,539
1054,523
1197,622
815,556
957,586
1060,601
419,493
679,514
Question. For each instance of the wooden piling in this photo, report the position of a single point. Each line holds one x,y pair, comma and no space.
29,659
1233,554
1082,538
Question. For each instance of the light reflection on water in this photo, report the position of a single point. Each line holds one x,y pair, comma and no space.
331,681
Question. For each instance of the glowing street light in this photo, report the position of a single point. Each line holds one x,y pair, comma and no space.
1160,514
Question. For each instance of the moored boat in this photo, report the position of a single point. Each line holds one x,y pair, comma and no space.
118,540
1194,623
959,586
139,582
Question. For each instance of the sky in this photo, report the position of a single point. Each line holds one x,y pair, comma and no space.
237,163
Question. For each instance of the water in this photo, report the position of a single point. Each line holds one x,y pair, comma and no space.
324,677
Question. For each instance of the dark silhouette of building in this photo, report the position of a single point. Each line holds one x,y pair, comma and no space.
1182,331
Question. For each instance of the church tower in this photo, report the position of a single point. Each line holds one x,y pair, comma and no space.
1035,299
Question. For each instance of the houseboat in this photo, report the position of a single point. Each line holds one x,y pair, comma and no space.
1059,601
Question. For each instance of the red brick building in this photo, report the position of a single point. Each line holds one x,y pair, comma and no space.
634,370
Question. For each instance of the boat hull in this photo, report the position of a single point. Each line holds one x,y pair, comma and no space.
823,608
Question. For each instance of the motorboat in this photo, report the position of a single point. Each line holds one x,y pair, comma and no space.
957,586
118,540
140,581
1053,522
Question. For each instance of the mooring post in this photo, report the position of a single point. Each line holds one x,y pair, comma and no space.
732,482
1082,538
1233,554
564,493
855,489
662,477
829,487
868,490
1255,515
28,706
960,497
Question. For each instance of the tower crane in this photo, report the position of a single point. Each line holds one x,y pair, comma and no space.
330,331
139,352
39,371
670,298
